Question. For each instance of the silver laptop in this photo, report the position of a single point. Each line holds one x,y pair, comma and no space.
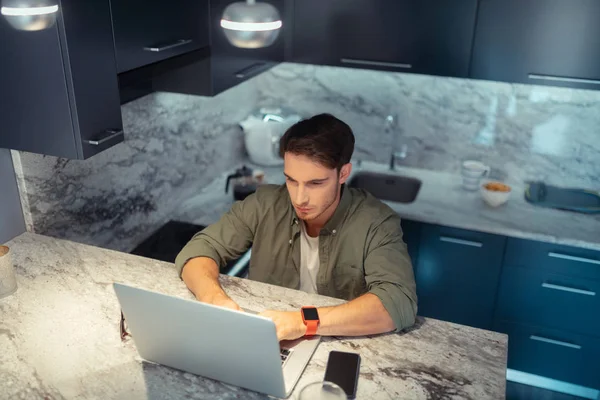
235,347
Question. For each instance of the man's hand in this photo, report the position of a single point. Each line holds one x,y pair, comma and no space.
222,300
289,324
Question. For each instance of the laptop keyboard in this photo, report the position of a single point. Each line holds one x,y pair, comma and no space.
285,353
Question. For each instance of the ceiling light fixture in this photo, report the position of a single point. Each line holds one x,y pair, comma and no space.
251,25
30,15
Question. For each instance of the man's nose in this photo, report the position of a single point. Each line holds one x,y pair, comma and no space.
301,196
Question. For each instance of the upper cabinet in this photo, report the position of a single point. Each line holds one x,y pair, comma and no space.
148,31
185,66
59,93
61,88
428,36
552,42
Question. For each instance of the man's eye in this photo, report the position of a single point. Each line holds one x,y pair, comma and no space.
317,183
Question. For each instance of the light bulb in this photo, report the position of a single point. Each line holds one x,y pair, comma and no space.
251,25
30,15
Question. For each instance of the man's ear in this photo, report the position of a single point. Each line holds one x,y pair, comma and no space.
345,172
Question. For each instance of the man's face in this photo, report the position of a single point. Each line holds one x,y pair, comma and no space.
313,188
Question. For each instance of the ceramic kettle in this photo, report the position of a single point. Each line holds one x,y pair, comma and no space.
262,130
244,182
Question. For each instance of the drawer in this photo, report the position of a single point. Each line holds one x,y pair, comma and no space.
547,299
552,353
570,261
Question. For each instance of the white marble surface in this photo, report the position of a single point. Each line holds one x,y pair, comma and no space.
176,144
59,337
522,131
441,200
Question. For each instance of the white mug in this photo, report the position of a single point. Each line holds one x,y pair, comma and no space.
8,280
472,172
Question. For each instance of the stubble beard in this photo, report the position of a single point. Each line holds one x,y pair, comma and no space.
326,208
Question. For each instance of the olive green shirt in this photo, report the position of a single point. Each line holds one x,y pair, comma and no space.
360,248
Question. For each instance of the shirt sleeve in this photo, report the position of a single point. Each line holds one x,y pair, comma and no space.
226,239
389,273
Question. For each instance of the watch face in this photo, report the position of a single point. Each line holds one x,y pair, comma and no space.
310,314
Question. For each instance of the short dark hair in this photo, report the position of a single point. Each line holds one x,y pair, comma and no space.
322,138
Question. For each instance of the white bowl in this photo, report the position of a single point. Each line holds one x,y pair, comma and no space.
495,198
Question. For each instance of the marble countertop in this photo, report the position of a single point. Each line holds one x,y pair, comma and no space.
441,200
59,336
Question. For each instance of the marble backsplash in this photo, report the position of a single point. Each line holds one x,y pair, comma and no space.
522,131
176,144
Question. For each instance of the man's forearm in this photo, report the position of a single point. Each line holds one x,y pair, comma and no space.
201,275
364,315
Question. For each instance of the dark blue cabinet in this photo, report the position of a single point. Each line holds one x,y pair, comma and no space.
148,31
457,275
564,260
207,71
427,36
550,285
552,353
549,305
58,87
547,299
553,42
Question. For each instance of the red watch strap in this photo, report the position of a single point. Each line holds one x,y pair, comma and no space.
311,328
311,325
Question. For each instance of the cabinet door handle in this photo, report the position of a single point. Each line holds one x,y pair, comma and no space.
573,258
567,289
110,134
460,241
566,79
250,70
168,46
375,63
556,342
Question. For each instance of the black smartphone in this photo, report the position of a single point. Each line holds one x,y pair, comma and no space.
343,369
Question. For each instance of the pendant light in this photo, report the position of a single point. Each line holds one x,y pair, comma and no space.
30,15
251,25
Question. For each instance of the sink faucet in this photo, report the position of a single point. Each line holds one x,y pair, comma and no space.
391,128
398,156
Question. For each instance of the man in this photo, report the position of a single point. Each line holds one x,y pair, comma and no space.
313,234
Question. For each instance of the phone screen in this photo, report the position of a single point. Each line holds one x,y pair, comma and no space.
342,369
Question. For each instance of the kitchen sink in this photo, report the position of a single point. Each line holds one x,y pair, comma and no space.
398,188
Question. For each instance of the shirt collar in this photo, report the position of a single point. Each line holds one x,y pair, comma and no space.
340,212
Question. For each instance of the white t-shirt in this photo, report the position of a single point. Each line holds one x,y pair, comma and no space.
309,261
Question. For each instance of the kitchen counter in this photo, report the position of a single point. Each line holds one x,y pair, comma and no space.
443,201
59,336
440,201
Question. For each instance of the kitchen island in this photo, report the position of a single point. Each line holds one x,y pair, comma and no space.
59,336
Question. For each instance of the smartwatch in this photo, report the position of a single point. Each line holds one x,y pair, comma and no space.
310,317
